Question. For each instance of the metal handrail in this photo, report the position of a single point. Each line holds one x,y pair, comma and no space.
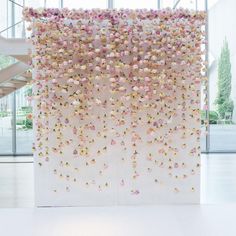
9,27
16,3
176,4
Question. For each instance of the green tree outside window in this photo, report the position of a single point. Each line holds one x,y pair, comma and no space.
223,100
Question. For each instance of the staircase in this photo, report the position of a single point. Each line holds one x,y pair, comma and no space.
14,46
13,77
16,75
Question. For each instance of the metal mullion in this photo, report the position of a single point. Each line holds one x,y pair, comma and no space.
158,4
219,152
61,3
17,154
110,4
14,123
13,31
13,95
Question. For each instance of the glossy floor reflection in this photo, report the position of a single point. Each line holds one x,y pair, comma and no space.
163,220
16,182
218,180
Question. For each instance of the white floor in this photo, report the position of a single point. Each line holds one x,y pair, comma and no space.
16,182
218,178
218,186
211,220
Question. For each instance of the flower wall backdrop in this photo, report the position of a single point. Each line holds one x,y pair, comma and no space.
117,105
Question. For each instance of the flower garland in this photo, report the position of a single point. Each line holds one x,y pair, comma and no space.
118,90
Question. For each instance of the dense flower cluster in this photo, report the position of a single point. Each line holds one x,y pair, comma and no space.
113,14
118,87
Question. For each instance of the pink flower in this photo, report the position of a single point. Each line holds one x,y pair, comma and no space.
113,142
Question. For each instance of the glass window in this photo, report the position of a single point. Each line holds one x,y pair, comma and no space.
42,3
6,61
24,121
135,4
200,4
88,4
167,3
211,3
222,76
203,120
3,17
6,124
53,3
33,3
221,22
189,4
19,28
